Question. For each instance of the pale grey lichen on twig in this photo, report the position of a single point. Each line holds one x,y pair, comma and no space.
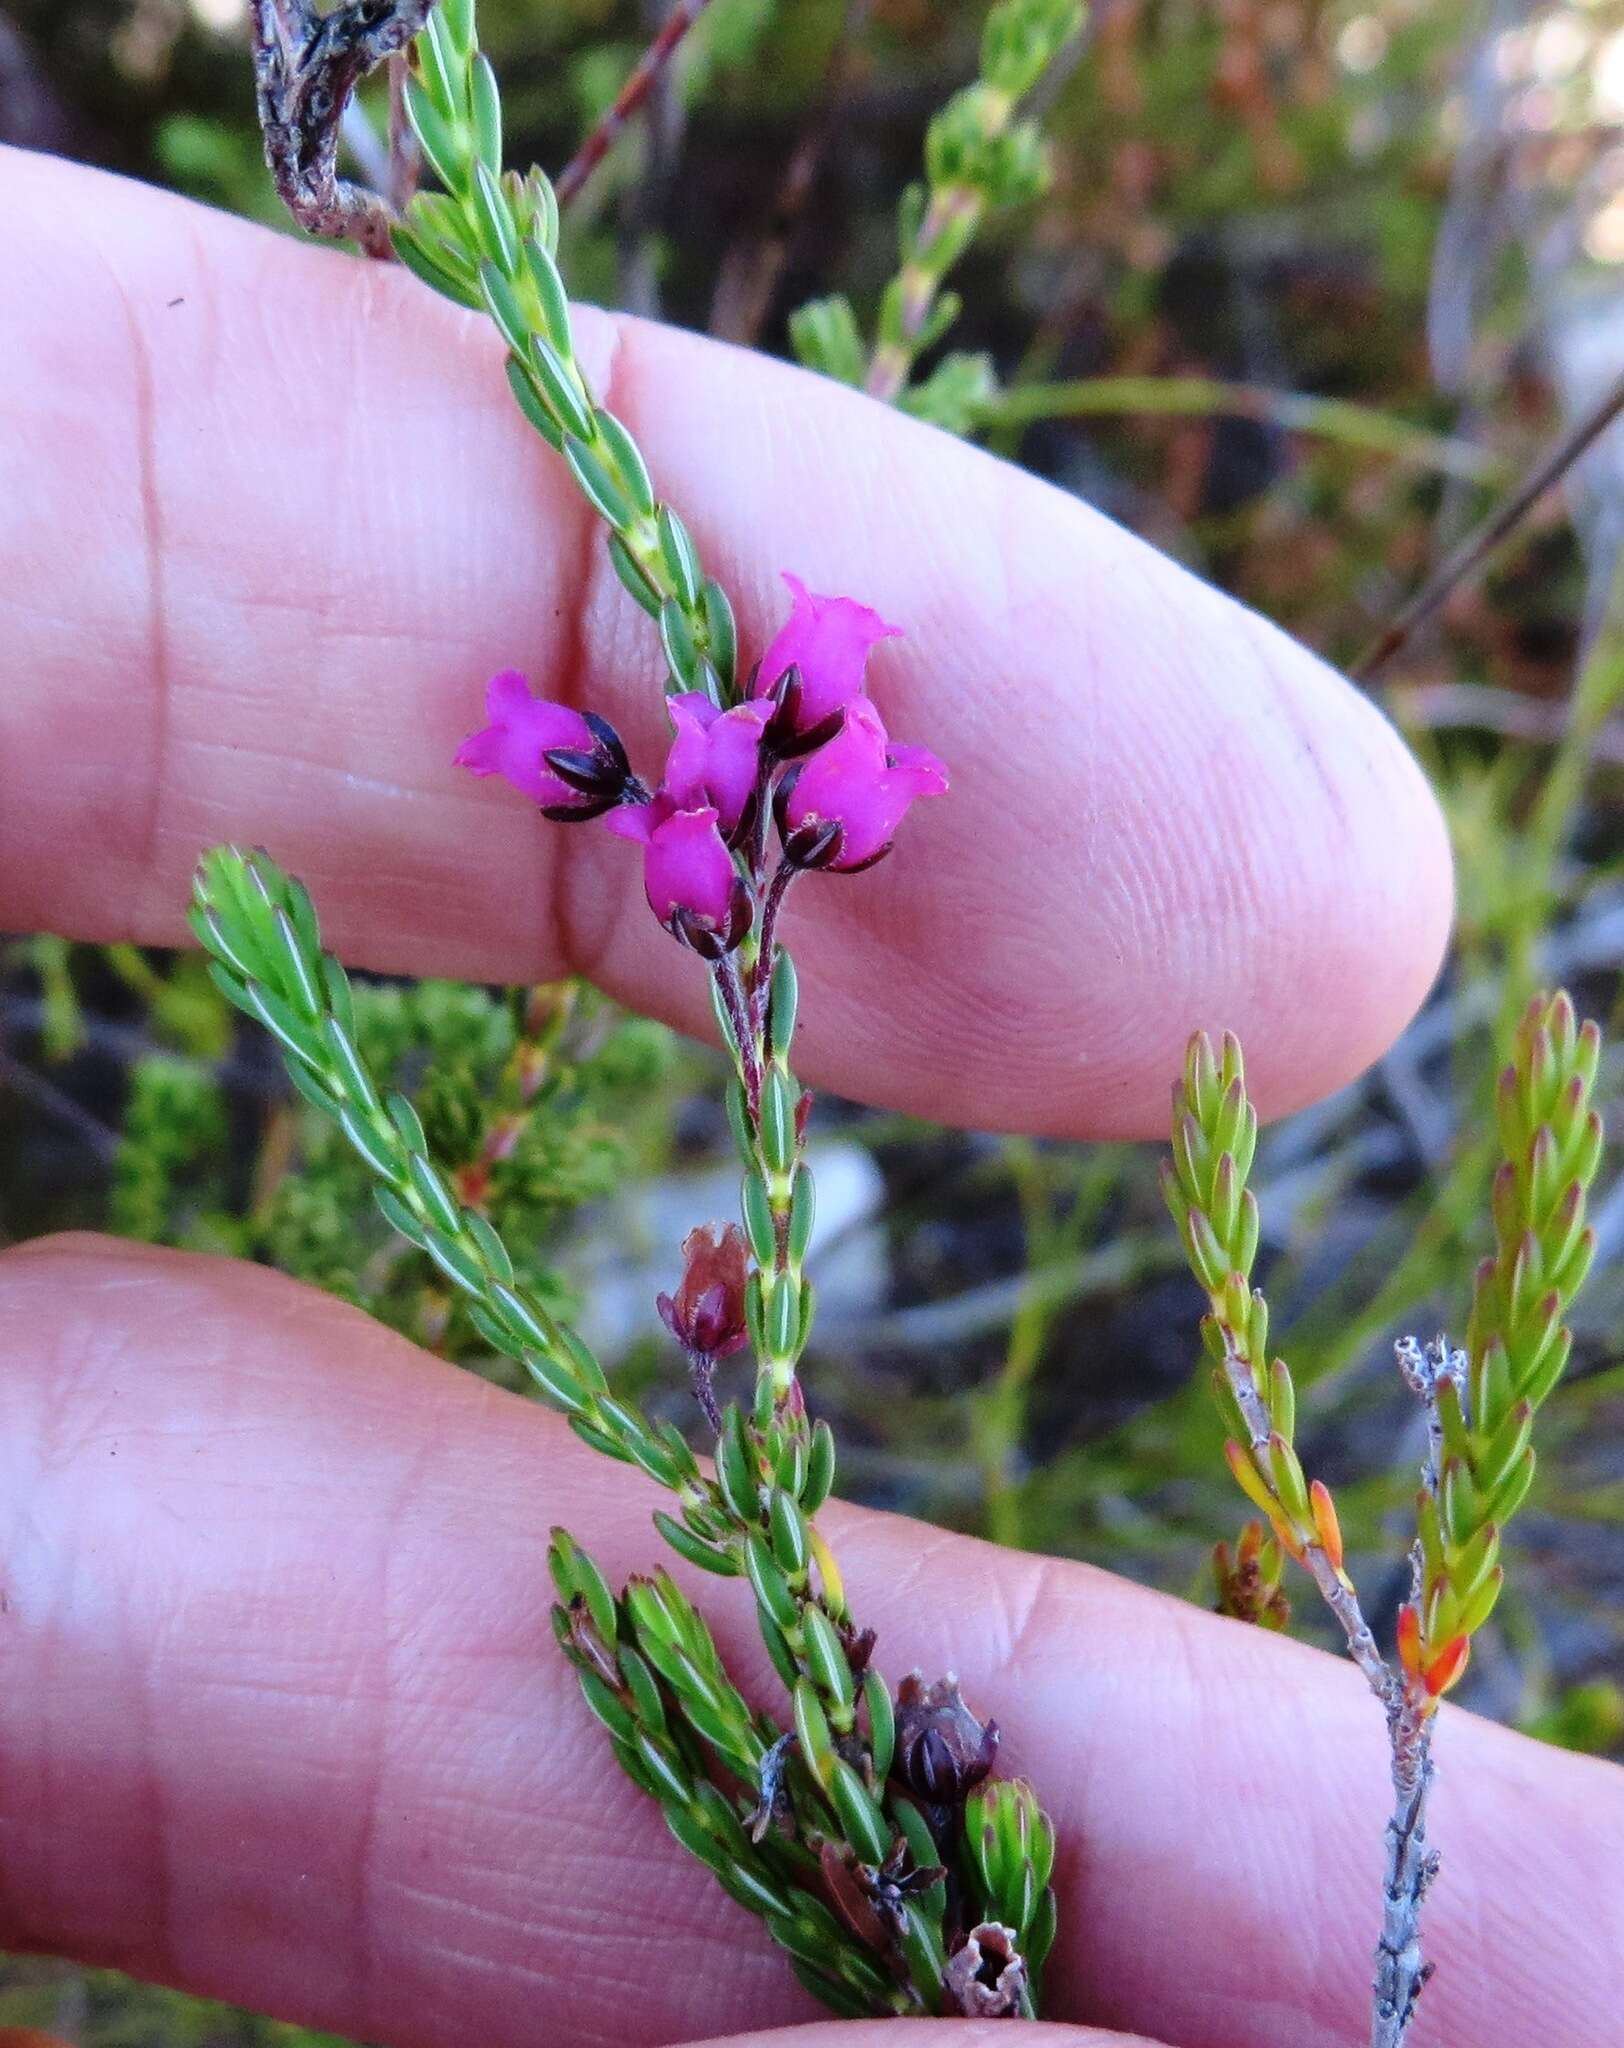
1326,1571
1401,1970
1479,1405
306,69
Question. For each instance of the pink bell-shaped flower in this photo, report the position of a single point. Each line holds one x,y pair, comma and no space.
692,885
840,809
715,759
570,762
826,642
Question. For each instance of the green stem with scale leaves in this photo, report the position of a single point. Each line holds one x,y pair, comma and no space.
1479,1403
489,241
979,158
753,1518
647,1665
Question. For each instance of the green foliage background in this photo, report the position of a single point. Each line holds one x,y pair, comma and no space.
1281,194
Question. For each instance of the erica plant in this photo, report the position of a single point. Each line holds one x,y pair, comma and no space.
1479,1404
861,1821
863,1826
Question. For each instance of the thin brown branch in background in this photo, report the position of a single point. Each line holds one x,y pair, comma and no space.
751,274
1482,541
306,69
631,96
645,201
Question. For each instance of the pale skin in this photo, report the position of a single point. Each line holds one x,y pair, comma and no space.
280,1717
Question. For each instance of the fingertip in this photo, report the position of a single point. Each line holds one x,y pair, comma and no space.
1351,887
1164,815
1265,857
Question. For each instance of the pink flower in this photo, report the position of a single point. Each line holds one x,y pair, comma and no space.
570,762
715,759
826,640
693,887
841,808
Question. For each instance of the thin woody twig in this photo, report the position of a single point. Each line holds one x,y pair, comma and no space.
1333,1586
1401,1970
306,69
644,73
1423,1372
1484,538
645,202
750,281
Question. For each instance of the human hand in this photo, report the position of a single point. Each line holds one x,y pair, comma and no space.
269,519
281,1717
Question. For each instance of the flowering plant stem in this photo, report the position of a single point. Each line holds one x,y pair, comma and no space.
1479,1404
865,1830
978,157
782,1816
489,241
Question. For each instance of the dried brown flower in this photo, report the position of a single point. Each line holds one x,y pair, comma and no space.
943,1751
987,1976
707,1314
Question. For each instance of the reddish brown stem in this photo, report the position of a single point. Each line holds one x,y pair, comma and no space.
1465,560
752,274
761,990
683,15
731,986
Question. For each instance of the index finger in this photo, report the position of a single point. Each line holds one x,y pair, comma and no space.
268,518
281,1720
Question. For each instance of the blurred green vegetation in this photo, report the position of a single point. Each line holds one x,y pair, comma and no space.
1307,290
